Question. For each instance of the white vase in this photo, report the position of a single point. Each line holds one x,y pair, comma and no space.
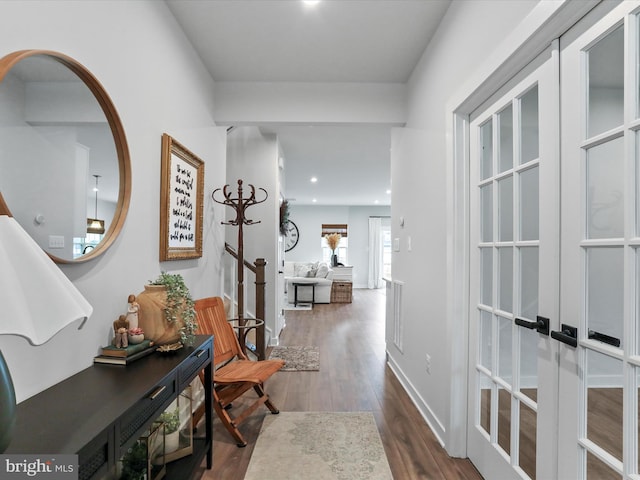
171,442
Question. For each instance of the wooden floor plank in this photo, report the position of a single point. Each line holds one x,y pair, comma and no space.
353,376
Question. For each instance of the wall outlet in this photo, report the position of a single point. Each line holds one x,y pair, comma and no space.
428,364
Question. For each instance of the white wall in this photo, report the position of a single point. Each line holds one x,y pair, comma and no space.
253,158
157,84
34,138
252,103
467,36
309,219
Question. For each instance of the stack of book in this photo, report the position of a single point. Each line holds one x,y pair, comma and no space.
123,356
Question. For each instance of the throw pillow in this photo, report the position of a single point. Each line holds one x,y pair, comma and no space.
323,270
296,269
303,271
312,272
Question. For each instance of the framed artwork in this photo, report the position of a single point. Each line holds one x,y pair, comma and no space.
181,202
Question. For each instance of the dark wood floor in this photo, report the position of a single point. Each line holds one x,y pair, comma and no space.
353,376
604,427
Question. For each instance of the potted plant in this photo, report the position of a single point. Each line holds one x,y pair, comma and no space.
167,310
284,216
171,421
333,240
134,462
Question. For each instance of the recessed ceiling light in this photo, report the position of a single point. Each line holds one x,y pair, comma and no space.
311,3
314,200
314,179
376,201
388,192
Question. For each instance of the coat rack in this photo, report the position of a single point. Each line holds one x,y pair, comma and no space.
240,205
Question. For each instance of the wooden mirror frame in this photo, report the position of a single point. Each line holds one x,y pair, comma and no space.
119,138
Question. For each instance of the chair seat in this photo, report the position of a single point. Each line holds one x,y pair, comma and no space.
247,371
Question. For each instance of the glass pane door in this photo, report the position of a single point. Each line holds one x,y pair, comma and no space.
598,406
505,171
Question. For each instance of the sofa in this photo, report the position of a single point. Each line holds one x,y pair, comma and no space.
307,272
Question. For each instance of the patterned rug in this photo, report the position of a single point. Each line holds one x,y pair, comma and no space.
319,446
300,306
297,359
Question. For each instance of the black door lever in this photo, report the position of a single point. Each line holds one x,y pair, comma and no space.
541,324
601,337
568,335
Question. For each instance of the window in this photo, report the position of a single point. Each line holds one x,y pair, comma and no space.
341,250
386,251
82,245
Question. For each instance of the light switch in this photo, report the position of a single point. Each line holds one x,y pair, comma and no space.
56,241
396,244
408,243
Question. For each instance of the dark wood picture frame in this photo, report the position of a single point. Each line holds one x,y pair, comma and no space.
181,202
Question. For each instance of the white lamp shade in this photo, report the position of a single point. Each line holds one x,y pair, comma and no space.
37,300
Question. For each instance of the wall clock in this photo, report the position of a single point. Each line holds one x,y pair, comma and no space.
291,236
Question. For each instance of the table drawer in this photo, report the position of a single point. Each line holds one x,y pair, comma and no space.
146,409
93,459
193,364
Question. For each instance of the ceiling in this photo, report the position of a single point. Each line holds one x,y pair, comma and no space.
377,41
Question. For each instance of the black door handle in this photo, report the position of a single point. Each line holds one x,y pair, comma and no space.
568,335
541,324
601,337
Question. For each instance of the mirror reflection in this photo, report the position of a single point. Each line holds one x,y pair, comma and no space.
59,166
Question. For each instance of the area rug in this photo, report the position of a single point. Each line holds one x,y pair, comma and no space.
319,446
297,359
300,306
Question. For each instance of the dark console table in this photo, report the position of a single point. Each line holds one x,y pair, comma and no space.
101,411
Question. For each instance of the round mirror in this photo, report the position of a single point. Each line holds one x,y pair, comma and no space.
65,173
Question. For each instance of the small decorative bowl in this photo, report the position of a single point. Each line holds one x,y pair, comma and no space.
134,339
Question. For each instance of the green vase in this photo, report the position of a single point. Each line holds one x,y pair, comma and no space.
7,405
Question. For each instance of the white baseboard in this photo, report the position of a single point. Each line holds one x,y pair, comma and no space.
436,426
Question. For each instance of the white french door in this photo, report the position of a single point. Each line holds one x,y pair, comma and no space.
599,364
513,267
555,234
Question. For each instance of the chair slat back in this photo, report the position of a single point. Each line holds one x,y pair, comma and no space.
212,320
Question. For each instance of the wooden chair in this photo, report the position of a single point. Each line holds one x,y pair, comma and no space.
234,374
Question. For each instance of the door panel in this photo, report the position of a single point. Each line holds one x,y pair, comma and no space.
598,400
511,154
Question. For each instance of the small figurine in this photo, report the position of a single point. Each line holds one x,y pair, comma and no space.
132,311
121,329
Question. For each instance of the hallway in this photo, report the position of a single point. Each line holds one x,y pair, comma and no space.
353,377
